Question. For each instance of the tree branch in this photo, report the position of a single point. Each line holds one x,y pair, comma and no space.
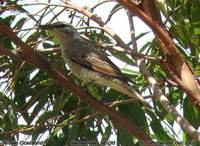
157,91
143,69
34,58
174,57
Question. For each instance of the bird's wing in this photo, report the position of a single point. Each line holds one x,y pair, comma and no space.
97,62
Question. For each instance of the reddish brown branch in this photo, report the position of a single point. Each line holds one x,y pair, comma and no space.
174,57
34,58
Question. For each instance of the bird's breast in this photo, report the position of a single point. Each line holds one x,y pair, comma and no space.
82,72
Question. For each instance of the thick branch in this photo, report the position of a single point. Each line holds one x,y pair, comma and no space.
182,70
31,57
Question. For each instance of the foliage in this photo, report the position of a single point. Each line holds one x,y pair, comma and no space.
34,104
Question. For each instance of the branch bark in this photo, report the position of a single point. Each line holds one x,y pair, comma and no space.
174,57
32,57
158,92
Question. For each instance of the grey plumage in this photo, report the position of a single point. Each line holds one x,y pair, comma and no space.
88,63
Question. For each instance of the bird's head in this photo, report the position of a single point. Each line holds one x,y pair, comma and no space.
62,31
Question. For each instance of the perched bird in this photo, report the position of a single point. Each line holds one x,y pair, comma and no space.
87,63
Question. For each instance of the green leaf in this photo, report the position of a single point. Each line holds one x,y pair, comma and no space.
123,57
94,91
191,113
20,23
125,138
115,8
128,71
134,112
162,8
158,129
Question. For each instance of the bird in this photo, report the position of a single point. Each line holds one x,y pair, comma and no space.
88,63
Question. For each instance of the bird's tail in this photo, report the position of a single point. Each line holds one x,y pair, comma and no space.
124,88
